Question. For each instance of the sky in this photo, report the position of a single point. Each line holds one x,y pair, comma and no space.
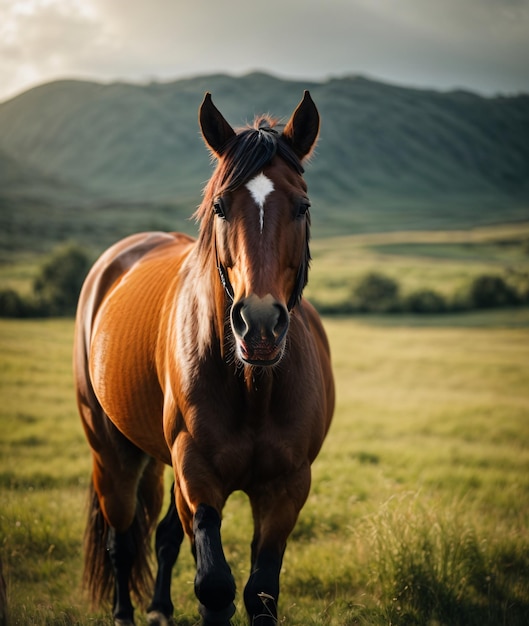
479,45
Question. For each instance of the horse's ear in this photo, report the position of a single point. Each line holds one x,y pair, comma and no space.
215,129
303,127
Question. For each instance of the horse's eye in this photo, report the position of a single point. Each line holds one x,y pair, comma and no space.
303,207
218,208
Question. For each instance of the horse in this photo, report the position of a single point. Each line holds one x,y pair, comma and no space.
202,354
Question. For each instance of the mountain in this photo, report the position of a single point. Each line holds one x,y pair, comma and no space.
93,161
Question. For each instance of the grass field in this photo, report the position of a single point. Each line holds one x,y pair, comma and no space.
419,509
445,261
419,512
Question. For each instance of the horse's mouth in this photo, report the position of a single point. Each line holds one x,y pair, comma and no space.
262,354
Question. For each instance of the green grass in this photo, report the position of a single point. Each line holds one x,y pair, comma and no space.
419,509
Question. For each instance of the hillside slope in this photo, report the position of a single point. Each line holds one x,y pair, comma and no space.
389,157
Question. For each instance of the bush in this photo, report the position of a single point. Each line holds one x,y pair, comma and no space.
490,291
376,293
59,282
425,301
12,304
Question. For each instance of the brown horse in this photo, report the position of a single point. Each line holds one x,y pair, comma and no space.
204,356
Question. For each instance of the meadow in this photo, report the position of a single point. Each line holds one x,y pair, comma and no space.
419,510
443,260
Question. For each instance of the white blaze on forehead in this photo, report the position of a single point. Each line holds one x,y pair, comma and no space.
260,187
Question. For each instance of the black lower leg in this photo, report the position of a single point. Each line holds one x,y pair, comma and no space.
214,583
122,552
261,593
169,537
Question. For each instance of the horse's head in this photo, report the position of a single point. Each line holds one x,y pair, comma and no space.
256,211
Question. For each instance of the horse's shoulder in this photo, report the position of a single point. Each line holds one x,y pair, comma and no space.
312,320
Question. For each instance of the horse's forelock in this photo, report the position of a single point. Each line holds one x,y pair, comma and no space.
265,122
250,150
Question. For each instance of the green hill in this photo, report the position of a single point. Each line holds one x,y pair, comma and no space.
93,161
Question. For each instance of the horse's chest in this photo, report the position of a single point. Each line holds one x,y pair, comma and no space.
253,435
261,454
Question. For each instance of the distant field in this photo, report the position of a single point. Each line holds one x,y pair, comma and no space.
419,512
440,260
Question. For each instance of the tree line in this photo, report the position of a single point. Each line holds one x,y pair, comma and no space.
377,293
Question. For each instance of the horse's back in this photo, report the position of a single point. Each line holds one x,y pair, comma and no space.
117,325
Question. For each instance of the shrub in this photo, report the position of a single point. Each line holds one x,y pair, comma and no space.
425,301
376,293
12,304
490,291
60,279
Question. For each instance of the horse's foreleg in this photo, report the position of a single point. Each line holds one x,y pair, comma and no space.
275,507
261,593
169,537
214,583
200,499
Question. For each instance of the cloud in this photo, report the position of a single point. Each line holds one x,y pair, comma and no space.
479,44
40,38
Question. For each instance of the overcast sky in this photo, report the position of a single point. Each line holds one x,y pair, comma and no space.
482,45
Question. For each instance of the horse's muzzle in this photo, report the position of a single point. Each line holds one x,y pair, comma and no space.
260,327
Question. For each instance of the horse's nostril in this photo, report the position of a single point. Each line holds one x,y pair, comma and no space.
281,324
237,320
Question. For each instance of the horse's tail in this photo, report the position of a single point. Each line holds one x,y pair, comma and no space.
98,574
3,598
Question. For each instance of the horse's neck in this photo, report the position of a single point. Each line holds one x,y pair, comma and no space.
259,384
200,310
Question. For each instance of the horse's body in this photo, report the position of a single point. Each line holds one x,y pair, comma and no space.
203,355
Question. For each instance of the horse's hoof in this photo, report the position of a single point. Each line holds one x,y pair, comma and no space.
155,618
216,618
